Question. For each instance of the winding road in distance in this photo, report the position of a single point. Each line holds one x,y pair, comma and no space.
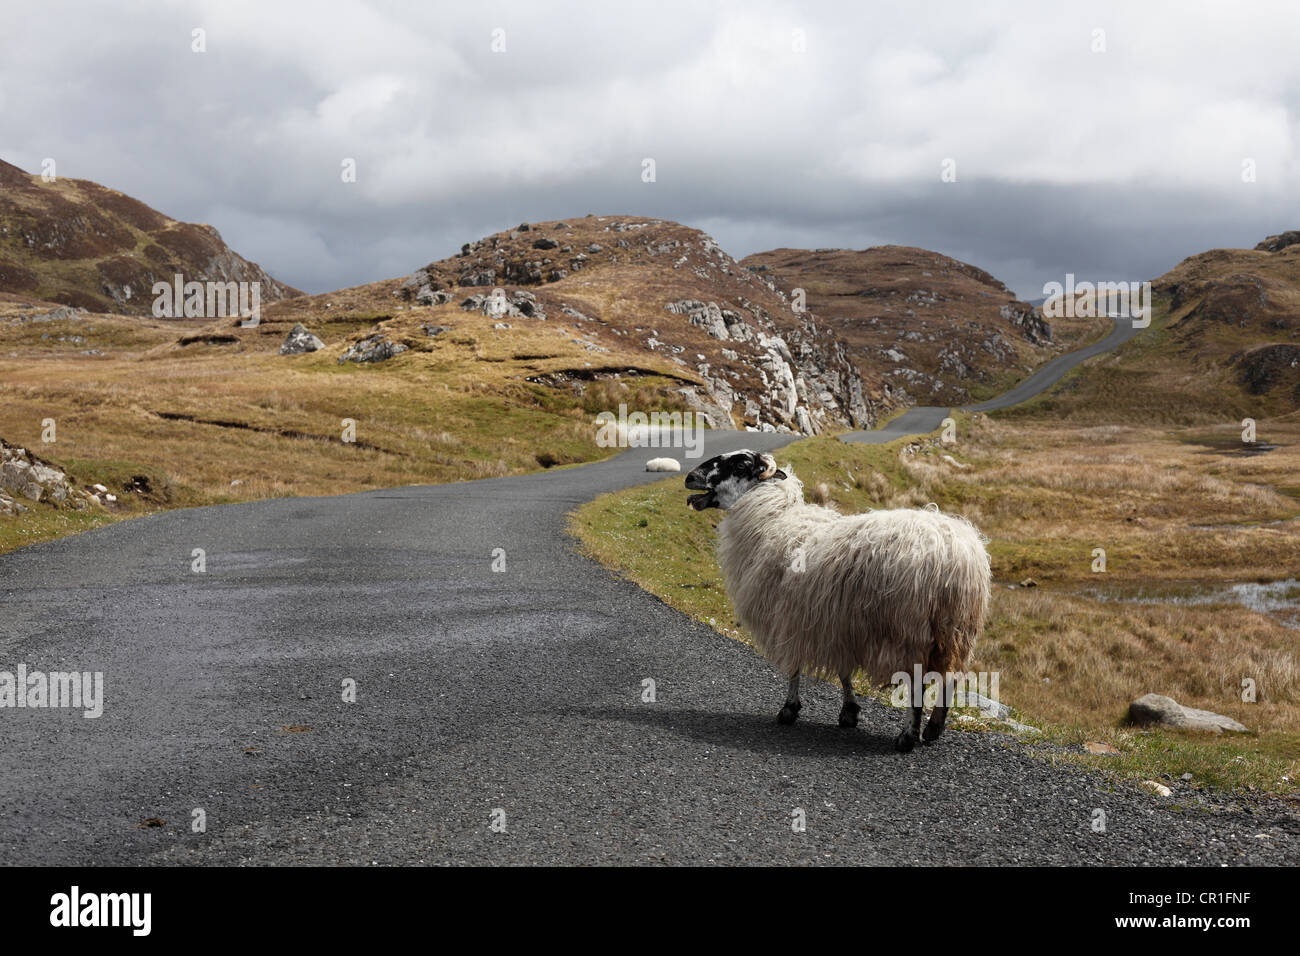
485,697
922,419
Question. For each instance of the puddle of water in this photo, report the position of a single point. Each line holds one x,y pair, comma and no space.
1234,446
1280,600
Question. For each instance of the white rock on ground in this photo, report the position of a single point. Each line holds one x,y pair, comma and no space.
663,464
1158,710
300,340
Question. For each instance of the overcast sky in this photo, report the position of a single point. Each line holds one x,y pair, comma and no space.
770,124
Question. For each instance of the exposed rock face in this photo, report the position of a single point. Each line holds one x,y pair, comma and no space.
1155,709
1028,320
299,340
25,477
373,348
1279,242
803,393
76,242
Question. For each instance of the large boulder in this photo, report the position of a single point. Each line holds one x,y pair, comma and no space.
299,340
1160,711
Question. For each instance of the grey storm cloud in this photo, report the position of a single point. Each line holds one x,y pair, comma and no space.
1107,140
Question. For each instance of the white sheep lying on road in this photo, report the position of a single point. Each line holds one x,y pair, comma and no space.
828,594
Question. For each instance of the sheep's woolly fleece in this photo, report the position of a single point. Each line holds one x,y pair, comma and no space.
882,591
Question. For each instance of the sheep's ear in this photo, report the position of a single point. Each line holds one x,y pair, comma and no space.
780,475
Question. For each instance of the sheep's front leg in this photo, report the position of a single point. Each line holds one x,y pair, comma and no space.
906,740
790,712
849,712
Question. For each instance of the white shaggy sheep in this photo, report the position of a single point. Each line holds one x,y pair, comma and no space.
829,594
663,464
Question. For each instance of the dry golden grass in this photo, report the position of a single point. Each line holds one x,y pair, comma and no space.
219,423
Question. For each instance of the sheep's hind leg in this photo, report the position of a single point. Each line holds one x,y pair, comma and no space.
939,715
849,712
906,740
790,712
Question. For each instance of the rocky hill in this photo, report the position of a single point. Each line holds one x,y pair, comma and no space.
937,331
1241,310
80,244
661,293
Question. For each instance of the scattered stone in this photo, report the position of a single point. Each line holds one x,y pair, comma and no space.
433,330
990,708
545,244
1020,728
663,464
1101,748
1158,710
1029,583
501,325
299,340
1159,789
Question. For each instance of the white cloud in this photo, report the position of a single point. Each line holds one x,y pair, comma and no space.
843,140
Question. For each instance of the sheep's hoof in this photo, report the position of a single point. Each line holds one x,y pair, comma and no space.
790,712
849,713
932,731
904,742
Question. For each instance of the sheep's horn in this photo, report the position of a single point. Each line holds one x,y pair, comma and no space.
770,469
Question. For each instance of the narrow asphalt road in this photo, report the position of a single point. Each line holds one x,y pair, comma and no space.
498,716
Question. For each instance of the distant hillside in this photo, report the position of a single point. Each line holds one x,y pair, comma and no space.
937,330
1224,344
77,243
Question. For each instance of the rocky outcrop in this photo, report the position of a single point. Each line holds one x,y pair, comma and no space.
299,340
1028,320
1158,710
518,304
373,348
25,478
1279,242
805,389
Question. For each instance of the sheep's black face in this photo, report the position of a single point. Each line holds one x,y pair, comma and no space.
725,479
